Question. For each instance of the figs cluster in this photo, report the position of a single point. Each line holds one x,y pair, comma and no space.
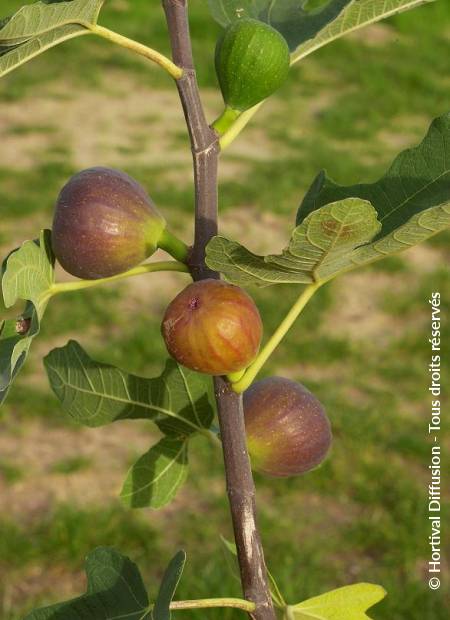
104,224
288,432
252,62
212,327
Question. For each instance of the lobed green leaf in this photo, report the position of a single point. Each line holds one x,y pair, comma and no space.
412,199
115,591
322,246
37,27
13,57
418,179
95,394
347,603
28,274
355,14
340,228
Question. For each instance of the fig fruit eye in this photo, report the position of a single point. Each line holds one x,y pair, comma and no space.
212,327
104,224
288,432
252,62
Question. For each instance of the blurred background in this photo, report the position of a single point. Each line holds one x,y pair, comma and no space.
361,345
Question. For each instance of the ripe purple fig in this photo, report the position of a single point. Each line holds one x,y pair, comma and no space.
212,327
288,432
104,224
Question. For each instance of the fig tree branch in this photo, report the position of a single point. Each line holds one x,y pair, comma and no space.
204,141
240,486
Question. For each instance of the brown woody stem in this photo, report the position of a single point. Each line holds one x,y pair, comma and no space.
240,486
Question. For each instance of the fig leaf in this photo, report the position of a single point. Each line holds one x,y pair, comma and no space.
28,274
347,603
355,14
167,589
39,26
115,590
95,394
340,228
155,478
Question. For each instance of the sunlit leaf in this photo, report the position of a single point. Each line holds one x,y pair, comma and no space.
322,246
412,199
347,603
356,14
340,228
37,27
13,57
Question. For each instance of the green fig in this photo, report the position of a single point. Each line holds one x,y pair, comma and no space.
288,432
252,62
104,224
212,327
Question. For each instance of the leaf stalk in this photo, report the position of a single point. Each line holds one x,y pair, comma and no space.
138,48
254,368
174,246
210,603
78,285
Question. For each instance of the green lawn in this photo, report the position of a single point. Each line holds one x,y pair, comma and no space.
361,345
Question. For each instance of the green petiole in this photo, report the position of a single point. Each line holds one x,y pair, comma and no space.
78,285
247,379
165,63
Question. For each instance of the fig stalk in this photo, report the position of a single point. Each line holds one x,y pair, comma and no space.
174,246
223,123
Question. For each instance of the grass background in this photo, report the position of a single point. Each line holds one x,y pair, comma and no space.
361,345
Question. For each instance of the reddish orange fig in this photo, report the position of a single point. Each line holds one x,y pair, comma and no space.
212,327
288,432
